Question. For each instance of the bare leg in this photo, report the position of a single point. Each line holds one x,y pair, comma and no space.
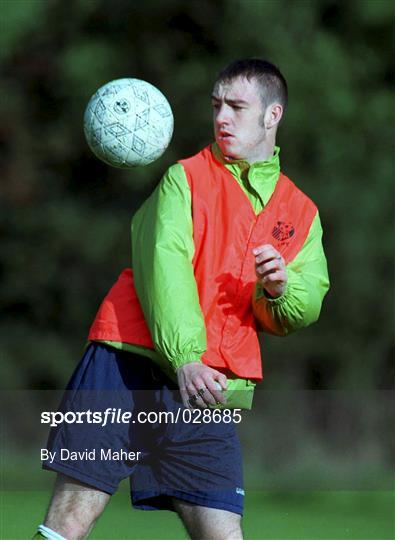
74,508
208,523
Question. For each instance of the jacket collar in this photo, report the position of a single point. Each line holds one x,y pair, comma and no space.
239,166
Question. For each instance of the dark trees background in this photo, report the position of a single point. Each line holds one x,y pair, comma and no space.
65,216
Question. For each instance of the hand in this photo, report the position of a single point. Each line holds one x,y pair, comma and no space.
198,385
270,270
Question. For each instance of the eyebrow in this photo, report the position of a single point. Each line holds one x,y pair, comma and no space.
230,101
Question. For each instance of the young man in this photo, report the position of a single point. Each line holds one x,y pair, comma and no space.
225,246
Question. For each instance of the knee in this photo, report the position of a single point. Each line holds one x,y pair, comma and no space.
204,523
228,531
74,508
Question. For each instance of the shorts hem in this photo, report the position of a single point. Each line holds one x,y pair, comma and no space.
82,477
138,501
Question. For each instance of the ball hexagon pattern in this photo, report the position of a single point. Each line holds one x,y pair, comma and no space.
128,122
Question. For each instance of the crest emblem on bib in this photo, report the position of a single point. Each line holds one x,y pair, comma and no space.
283,232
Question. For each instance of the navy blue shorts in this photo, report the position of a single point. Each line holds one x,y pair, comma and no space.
185,458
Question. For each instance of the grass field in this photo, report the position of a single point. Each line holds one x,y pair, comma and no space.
269,516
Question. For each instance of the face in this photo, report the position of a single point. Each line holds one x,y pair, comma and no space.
239,120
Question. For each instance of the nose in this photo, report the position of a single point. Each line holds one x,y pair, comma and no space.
221,115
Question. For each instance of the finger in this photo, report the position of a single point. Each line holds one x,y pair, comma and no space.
182,388
198,383
221,379
190,391
185,398
199,398
268,255
275,278
275,258
201,390
268,267
217,383
196,389
261,249
201,402
205,395
215,392
196,402
193,396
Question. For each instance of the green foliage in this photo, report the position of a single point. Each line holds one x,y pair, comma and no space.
18,18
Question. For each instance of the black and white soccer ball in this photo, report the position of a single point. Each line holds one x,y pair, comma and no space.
128,122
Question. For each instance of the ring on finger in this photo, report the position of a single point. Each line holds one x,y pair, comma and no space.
193,399
201,392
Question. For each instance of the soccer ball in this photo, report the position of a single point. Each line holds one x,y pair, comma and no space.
128,122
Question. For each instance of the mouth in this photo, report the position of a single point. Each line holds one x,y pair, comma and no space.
225,135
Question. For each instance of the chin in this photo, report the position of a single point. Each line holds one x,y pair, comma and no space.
227,151
231,156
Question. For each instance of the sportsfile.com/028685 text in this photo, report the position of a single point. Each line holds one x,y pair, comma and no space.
117,416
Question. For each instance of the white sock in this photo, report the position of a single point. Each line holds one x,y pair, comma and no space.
49,533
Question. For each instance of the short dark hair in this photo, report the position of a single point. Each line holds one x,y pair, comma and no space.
269,77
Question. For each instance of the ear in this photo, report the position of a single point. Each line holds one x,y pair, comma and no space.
273,115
